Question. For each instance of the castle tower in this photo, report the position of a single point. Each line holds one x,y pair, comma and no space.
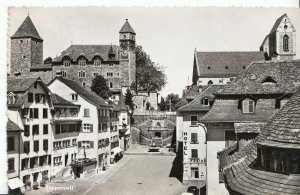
280,43
26,48
127,45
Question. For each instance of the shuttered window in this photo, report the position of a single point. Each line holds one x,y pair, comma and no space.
36,145
86,112
248,106
26,147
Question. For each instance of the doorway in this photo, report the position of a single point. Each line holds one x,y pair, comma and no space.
157,134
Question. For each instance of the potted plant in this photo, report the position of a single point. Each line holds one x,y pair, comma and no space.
35,185
28,185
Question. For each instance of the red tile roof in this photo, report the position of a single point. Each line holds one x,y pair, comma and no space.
213,64
27,29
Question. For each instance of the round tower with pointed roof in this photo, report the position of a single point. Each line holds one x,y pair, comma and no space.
26,48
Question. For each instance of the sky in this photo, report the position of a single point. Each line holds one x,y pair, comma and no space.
169,35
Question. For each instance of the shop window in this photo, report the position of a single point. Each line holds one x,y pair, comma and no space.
194,172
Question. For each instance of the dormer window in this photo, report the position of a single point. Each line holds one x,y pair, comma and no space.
82,62
248,106
279,160
11,98
67,63
205,101
74,97
97,62
286,43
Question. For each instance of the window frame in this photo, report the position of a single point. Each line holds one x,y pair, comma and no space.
246,106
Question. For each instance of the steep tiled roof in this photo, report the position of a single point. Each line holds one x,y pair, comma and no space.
248,127
226,110
20,84
192,93
86,94
196,104
88,51
286,75
27,29
126,28
283,130
213,64
277,23
11,126
57,100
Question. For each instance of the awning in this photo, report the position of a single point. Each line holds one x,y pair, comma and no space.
116,150
15,183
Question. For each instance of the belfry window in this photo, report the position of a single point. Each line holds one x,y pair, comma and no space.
285,43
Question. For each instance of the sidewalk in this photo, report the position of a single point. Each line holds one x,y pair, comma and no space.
78,186
137,149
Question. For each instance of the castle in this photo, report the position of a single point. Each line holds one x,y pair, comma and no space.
81,63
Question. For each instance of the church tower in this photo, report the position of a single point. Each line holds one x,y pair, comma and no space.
127,45
26,48
280,43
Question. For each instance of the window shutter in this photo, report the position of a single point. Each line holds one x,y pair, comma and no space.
245,106
91,128
49,159
31,162
91,144
22,164
79,144
30,113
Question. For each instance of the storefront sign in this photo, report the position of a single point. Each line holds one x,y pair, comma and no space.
185,140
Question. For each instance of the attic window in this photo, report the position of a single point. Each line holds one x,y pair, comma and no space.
248,106
10,98
208,67
205,101
82,62
269,80
97,62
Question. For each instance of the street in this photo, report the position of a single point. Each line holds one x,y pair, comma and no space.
134,174
141,174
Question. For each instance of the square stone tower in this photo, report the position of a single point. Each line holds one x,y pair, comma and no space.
26,48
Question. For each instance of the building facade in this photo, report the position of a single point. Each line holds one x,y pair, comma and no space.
65,130
30,105
80,63
242,108
94,135
280,43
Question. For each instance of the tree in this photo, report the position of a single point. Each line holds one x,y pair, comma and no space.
149,76
48,60
162,105
171,100
99,86
129,103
